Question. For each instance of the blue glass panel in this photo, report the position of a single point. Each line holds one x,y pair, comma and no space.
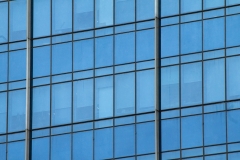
170,134
145,9
3,67
40,149
4,22
3,151
104,51
234,156
83,55
17,65
214,128
83,14
3,112
191,84
83,100
190,5
124,141
125,48
103,143
145,45
214,81
41,61
145,91
233,36
233,126
104,97
16,110
61,54
212,4
213,33
41,18
124,11
145,138
103,13
169,7
61,147
15,151
125,94
217,157
61,103
83,145
170,38
191,37
17,20
41,107
191,131
232,2
61,16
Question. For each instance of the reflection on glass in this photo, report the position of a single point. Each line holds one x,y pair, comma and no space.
207,4
15,151
233,126
233,35
103,13
3,112
3,67
3,151
124,11
190,6
41,61
169,7
17,65
232,2
145,9
61,147
40,149
4,22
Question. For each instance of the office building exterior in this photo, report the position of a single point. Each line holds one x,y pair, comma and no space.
119,79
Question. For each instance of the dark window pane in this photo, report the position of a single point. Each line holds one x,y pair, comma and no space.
41,61
145,9
124,11
40,149
16,150
4,22
17,65
233,34
103,13
3,112
61,147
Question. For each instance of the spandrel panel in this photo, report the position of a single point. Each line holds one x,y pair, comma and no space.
3,112
40,149
4,22
17,65
124,11
145,9
233,126
61,147
3,67
16,150
103,13
233,34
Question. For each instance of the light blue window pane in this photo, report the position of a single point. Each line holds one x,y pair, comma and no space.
191,84
83,14
145,91
213,31
104,97
61,103
217,157
124,11
3,112
214,128
207,4
83,55
233,78
61,16
125,48
103,13
124,141
191,37
233,126
104,51
41,107
170,134
145,9
232,2
125,94
83,145
17,65
41,61
234,156
145,138
61,147
15,151
3,151
3,67
103,143
190,5
170,87
191,131
233,34
170,38
17,20
4,22
40,149
214,81
16,110
61,54
169,7
83,100
41,23
145,45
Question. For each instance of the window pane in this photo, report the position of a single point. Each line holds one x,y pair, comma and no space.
145,9
214,81
233,35
125,48
83,14
83,100
41,61
234,156
190,5
124,11
103,13
4,22
83,145
145,91
232,2
233,122
104,97
61,147
217,157
83,55
61,16
3,67
169,7
61,54
16,150
3,151
212,3
16,110
17,65
61,103
40,149
3,112
41,18
41,107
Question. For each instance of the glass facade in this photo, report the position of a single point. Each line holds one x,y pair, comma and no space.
119,79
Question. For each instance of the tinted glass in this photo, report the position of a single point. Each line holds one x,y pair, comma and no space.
233,36
17,65
3,112
145,9
169,7
233,125
3,67
212,4
40,149
61,147
124,11
190,6
15,151
41,61
103,13
4,22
